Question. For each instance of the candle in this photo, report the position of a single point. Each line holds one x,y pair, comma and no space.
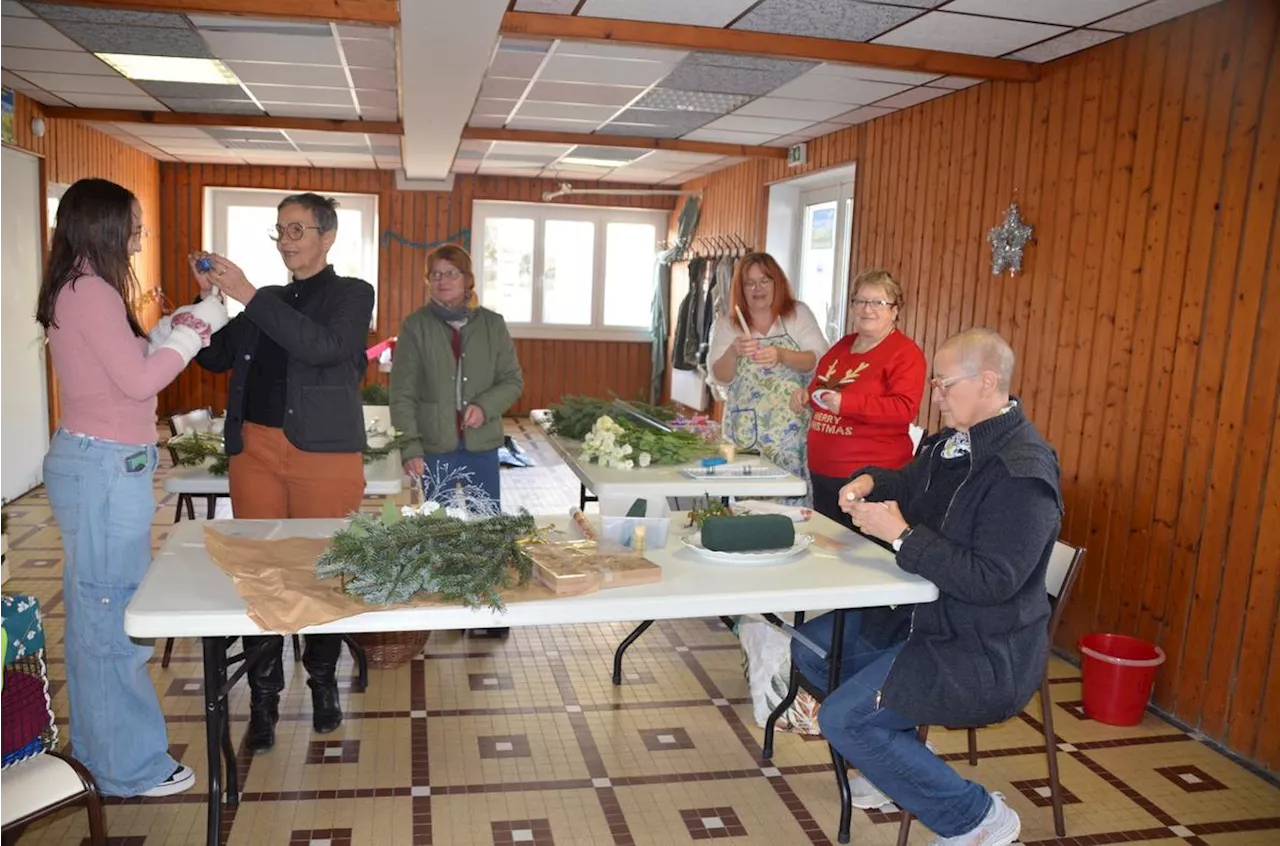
637,539
728,451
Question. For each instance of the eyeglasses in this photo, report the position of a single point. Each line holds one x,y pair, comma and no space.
943,384
295,231
757,283
451,274
859,302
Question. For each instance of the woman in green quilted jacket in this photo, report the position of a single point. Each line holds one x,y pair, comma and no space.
455,374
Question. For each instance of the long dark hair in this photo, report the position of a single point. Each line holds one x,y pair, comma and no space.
95,224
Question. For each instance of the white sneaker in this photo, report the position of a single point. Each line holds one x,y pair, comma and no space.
1000,827
183,778
866,795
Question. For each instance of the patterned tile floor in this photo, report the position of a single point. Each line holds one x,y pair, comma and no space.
525,741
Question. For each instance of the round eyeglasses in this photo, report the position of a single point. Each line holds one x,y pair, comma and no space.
294,231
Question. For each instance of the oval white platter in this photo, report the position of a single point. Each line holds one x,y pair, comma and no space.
747,559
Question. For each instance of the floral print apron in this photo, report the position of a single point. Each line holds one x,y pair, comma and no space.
758,413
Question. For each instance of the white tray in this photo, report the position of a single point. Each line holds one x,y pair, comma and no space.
748,470
748,559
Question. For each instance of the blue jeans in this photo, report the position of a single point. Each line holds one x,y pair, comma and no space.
104,505
880,742
441,470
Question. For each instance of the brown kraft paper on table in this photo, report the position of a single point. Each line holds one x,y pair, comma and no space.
277,580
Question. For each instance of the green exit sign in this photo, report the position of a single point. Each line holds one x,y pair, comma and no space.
797,155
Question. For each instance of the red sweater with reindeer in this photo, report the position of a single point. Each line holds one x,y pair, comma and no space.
880,393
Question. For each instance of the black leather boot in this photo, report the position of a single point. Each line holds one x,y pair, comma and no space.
266,680
320,657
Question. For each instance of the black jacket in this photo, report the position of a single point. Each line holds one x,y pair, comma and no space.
325,342
976,655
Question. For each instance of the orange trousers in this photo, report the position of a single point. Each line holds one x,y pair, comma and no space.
273,479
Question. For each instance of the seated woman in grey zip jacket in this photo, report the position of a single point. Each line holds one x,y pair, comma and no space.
455,374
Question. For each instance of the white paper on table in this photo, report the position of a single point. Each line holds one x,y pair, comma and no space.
798,514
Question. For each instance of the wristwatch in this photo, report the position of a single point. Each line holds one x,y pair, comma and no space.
897,542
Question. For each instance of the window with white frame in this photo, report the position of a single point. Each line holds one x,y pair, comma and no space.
239,223
567,271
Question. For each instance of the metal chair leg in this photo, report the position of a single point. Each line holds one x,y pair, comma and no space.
191,506
973,747
1051,752
212,500
168,653
622,648
846,794
297,649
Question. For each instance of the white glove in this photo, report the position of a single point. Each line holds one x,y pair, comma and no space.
211,310
159,334
185,341
826,399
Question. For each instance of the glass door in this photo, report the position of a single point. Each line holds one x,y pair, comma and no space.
826,224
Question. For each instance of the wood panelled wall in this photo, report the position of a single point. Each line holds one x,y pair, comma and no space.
73,151
552,368
1146,321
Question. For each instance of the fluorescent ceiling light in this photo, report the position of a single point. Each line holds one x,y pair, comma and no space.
585,162
170,69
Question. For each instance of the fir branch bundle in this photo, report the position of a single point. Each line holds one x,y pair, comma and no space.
193,449
575,417
397,558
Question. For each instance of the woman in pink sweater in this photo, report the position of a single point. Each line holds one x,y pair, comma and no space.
98,474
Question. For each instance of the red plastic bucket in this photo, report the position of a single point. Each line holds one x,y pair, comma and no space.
1119,672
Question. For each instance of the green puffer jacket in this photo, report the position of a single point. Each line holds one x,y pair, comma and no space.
428,385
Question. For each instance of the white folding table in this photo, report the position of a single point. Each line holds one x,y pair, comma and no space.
185,594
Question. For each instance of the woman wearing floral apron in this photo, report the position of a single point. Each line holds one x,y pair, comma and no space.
757,374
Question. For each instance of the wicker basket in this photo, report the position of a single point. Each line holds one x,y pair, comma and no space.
386,650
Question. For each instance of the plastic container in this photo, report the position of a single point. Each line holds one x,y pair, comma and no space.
618,529
1119,672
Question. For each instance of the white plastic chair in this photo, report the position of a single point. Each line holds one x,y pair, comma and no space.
46,783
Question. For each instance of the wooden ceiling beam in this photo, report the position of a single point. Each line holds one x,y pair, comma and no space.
375,127
382,12
680,36
532,136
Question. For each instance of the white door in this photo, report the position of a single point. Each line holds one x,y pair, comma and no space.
24,431
826,224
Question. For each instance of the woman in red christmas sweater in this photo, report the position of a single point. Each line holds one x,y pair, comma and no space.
865,394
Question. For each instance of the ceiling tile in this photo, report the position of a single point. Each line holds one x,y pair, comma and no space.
515,64
481,146
862,114
503,89
33,32
780,107
363,53
529,150
111,101
344,139
83,84
232,133
1066,12
642,130
847,20
645,177
491,106
1064,45
726,136
282,73
267,47
192,90
874,74
387,162
316,110
1157,11
787,141
550,7
694,101
602,71
580,92
21,59
111,17
968,34
955,83
667,117
609,50
693,75
297,94
566,111
230,23
375,33
525,45
618,154
159,132
9,79
378,100
487,121
834,89
43,97
371,78
259,146
913,97
14,9
551,124
379,114
331,148
716,13
763,125
465,166
224,107
136,40
679,158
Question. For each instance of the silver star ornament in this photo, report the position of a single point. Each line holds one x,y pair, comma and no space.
1007,241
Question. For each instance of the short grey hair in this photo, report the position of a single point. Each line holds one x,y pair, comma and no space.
323,209
983,349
